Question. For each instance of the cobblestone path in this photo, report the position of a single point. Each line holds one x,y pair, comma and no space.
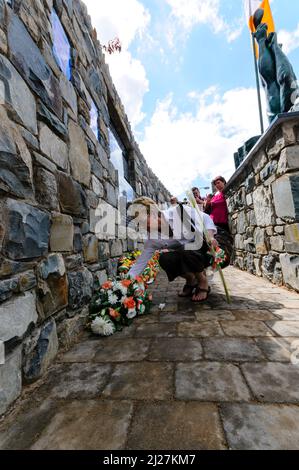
192,376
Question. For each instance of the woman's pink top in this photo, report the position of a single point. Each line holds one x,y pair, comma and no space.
219,212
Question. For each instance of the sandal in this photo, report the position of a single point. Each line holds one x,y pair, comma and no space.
198,290
187,290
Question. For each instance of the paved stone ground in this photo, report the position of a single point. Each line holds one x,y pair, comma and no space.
192,376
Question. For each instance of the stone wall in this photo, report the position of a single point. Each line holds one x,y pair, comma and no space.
53,174
263,200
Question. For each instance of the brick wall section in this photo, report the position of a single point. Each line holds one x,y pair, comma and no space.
263,200
53,174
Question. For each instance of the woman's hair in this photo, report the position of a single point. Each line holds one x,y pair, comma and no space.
219,178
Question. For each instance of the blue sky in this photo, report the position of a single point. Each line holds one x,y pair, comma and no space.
186,78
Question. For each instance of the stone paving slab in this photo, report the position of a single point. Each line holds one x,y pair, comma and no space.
122,350
232,349
176,425
285,328
200,329
278,349
141,381
161,382
175,349
68,381
273,382
149,330
261,427
209,315
245,328
88,425
210,381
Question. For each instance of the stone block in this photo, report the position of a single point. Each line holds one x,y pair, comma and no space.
239,242
51,120
268,170
62,233
175,349
284,136
97,187
199,427
234,350
80,288
52,285
71,196
260,241
40,351
78,155
241,222
69,329
15,160
262,201
268,265
53,147
273,382
257,265
277,243
111,194
92,414
28,59
17,315
68,381
289,160
69,94
131,380
10,379
27,231
104,251
210,381
90,248
261,427
290,270
46,192
292,238
286,196
17,98
259,161
17,284
116,248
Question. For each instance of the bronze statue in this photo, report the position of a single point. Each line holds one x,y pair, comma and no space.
276,71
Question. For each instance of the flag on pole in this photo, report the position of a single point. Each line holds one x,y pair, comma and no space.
250,8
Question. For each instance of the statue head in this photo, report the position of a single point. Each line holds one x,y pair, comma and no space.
257,17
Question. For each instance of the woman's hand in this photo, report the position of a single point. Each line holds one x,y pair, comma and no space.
214,243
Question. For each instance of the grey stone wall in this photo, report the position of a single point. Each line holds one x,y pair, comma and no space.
263,201
53,174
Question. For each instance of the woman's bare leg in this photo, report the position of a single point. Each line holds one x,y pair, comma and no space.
190,281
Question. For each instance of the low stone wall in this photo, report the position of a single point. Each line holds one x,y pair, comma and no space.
263,201
54,172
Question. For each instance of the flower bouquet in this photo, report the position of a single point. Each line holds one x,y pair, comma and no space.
118,301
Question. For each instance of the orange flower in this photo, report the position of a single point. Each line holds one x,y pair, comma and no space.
129,302
126,283
114,313
107,285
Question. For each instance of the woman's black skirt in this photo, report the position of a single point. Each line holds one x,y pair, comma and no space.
180,262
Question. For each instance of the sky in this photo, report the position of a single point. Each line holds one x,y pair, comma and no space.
186,78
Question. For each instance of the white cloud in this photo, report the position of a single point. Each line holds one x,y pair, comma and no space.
179,147
186,15
125,20
289,40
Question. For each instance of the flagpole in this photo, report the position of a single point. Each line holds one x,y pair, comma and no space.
257,84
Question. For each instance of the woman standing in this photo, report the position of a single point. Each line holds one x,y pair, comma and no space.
216,207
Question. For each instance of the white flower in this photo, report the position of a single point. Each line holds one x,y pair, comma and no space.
112,299
131,313
102,327
161,306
